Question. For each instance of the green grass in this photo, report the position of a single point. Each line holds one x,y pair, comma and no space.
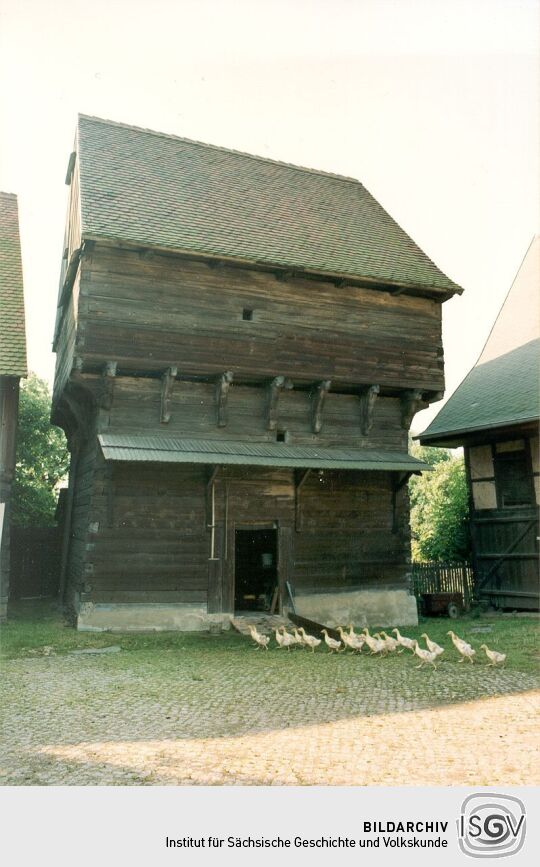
37,628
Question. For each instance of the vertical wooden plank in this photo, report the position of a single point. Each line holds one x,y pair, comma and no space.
67,528
285,560
215,575
228,573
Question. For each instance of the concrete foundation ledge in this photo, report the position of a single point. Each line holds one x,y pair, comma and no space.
361,607
148,617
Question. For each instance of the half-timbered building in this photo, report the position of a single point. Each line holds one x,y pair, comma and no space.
12,368
494,415
241,347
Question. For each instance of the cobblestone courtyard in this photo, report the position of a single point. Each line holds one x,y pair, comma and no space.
216,712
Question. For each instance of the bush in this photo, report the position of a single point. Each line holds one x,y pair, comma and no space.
42,458
439,507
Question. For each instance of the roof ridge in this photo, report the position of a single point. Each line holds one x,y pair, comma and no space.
346,178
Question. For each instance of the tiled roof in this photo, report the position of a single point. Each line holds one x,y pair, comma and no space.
12,333
165,449
163,191
503,388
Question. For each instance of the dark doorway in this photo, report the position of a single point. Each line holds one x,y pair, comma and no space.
255,557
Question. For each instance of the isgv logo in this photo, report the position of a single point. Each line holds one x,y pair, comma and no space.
491,825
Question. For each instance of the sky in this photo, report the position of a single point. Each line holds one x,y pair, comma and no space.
433,105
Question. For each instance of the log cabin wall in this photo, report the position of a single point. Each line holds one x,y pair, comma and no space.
154,312
136,408
68,292
140,532
149,536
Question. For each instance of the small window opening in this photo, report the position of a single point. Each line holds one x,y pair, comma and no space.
281,436
247,314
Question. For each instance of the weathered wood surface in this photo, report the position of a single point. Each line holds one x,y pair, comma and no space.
164,311
158,543
504,540
136,408
315,364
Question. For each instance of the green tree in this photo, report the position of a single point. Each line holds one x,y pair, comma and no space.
42,457
439,507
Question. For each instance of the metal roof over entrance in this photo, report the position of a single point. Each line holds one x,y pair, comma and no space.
163,449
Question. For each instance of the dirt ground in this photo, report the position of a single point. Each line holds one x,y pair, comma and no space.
223,714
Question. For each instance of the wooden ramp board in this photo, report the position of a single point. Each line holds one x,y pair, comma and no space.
314,628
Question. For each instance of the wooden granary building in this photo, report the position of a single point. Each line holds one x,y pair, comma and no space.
494,415
241,347
12,368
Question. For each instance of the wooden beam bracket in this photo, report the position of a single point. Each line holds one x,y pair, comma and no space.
284,275
167,385
317,404
223,384
432,396
402,481
274,390
368,398
106,392
411,402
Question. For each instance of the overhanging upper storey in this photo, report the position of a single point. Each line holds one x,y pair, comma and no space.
153,190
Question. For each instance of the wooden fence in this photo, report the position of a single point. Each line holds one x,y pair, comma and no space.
443,578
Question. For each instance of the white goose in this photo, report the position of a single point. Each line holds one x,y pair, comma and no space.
424,656
432,646
391,644
260,640
309,640
494,656
350,641
332,644
374,642
465,650
406,643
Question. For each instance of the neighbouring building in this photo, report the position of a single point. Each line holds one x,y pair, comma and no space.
12,368
494,415
241,347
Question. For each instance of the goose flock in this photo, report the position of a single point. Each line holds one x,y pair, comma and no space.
378,644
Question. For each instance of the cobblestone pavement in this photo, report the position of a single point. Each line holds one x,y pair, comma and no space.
258,719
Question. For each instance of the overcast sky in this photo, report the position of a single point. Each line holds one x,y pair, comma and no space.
433,105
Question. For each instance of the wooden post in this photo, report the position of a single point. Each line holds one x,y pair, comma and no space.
66,530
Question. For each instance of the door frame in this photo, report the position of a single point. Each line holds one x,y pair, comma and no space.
229,570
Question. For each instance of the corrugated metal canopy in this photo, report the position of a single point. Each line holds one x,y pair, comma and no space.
163,449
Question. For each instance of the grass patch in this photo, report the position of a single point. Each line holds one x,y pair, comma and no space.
38,629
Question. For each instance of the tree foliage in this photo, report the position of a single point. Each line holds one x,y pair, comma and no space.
42,457
439,507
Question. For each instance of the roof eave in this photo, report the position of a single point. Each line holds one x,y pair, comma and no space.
392,286
442,437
